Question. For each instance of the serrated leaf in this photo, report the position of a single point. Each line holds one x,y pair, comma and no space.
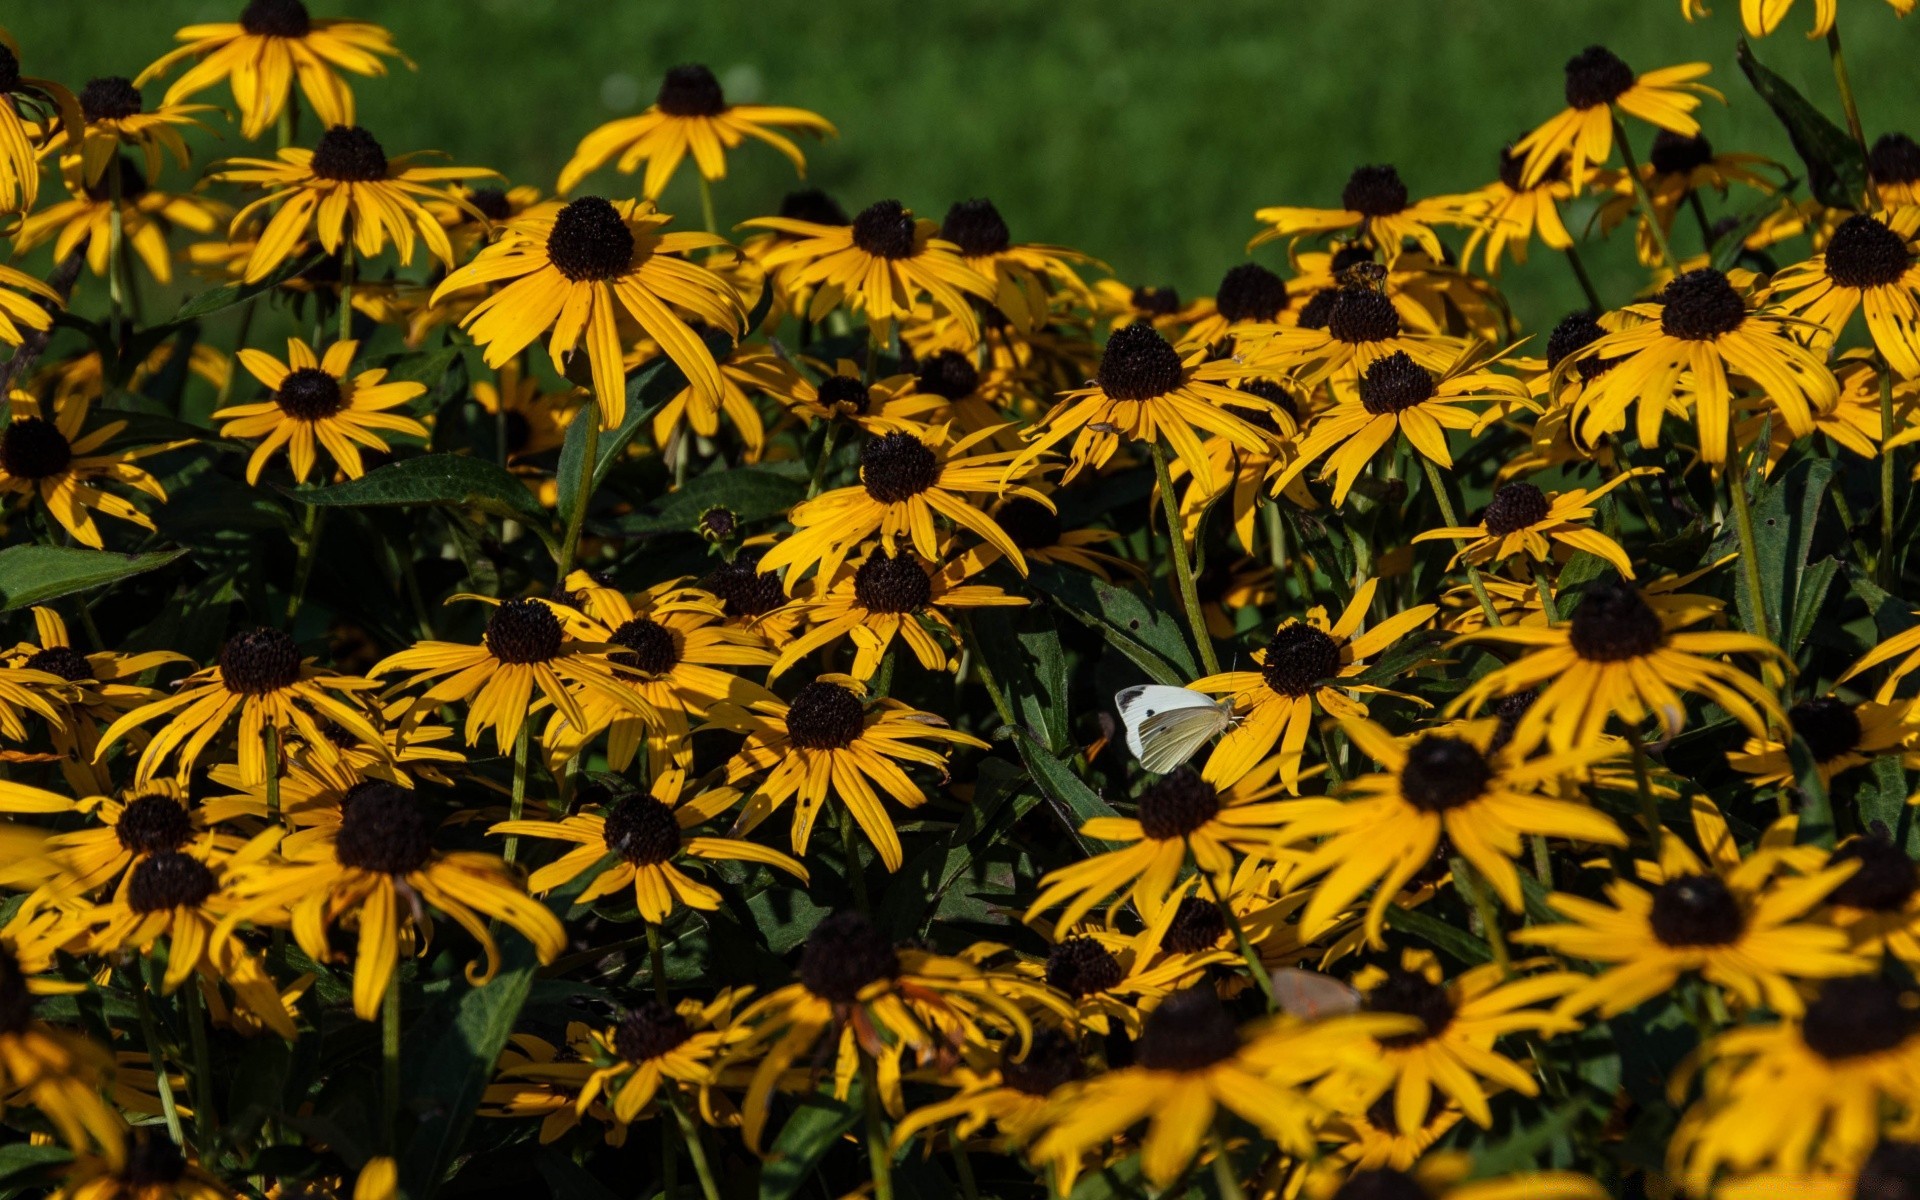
1836,168
1154,640
35,574
1437,933
1066,793
1022,650
436,479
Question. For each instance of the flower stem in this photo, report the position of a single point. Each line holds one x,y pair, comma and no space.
1586,280
657,961
151,1033
1182,566
517,804
1544,586
1649,806
1447,513
850,847
346,291
1261,975
879,1152
1223,1177
1642,196
1839,60
310,524
390,1061
963,1167
827,445
205,1122
1480,895
1884,567
1757,622
706,204
590,413
696,1149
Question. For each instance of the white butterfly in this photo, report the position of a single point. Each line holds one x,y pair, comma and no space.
1166,726
1310,994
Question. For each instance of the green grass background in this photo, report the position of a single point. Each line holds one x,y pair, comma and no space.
1143,133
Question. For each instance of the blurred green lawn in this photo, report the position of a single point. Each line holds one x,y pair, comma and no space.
1143,133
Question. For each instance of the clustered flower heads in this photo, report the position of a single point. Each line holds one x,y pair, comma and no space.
607,670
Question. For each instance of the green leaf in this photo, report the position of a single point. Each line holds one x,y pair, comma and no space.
227,295
1836,168
1816,807
1022,649
1067,794
1437,933
804,1140
23,1158
1154,640
453,479
750,493
35,574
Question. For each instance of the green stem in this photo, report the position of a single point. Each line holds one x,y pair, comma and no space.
1641,195
150,1031
1757,621
1447,514
1480,896
390,1061
1223,1178
1643,778
1276,539
310,525
1542,861
963,1167
590,413
346,291
657,962
696,1149
1545,587
1839,60
1586,280
1261,975
205,1121
517,804
827,445
879,1153
1645,504
1885,565
1700,218
1182,568
706,205
850,847
116,249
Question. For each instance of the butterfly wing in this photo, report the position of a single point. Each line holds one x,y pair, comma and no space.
1149,701
1310,994
1170,738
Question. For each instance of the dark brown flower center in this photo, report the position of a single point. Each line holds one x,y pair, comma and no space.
890,583
1052,1061
383,828
718,525
1443,772
1891,1172
33,448
16,1002
1515,507
1031,524
1155,301
1508,710
1299,658
885,230
949,374
977,227
744,591
1678,154
1895,159
259,661
169,880
309,394
9,71
1828,726
1139,364
523,631
651,647
845,954
1198,924
1317,312
64,661
1250,292
898,466
1596,76
153,825
349,154
825,716
1699,306
1696,910
1864,253
1360,314
1189,1031
1177,805
1614,623
1394,384
812,204
276,18
1577,331
109,98
589,241
1857,1016
845,395
153,1161
691,91
650,1031
492,203
1410,994
1374,191
1381,1183
1885,881
1081,966
642,830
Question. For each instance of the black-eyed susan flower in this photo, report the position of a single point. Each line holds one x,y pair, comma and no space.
472,213
1625,653
1452,783
1446,1176
1307,667
59,1075
574,269
30,110
1886,1169
641,840
1879,903
1013,1091
1248,294
1893,167
1869,264
63,464
753,599
745,372
529,420
1597,83
828,743
528,1083
1395,394
1511,213
262,679
1840,736
888,595
154,1168
525,649
1737,920
1342,331
274,43
115,115
375,868
689,115
893,404
1193,1061
1101,979
24,303
1122,304
881,265
1808,1092
1037,530
123,831
1522,520
1178,818
1375,205
316,404
654,1048
1025,275
856,995
1701,331
349,192
1147,391
86,219
1761,17
906,481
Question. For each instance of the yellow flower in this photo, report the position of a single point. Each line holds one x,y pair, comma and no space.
1511,213
30,110
690,114
1762,17
146,214
1839,736
315,403
654,1048
58,1074
112,108
1869,263
1598,83
64,467
1522,520
1025,275
23,301
1374,204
